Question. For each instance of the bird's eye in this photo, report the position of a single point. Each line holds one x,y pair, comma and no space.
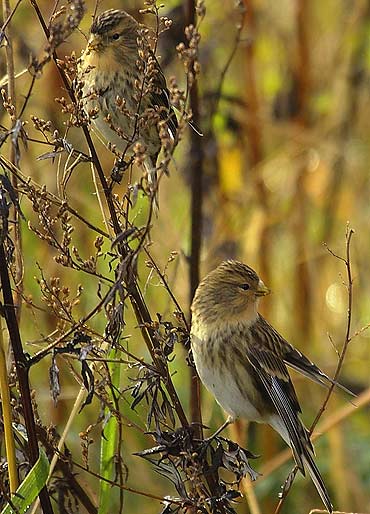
245,287
115,36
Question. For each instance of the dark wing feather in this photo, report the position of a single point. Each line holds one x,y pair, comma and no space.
267,356
295,359
282,395
161,97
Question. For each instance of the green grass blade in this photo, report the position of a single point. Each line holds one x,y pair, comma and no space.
108,447
29,489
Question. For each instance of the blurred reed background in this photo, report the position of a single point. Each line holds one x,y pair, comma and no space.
284,107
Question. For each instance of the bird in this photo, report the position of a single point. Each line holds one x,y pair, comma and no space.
123,89
242,360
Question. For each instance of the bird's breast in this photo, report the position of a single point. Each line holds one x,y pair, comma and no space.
102,84
226,372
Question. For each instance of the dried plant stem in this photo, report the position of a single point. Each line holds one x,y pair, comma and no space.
9,55
248,489
347,338
302,280
246,486
196,166
351,103
7,417
129,489
22,369
99,197
75,410
225,69
25,181
317,511
254,137
8,14
139,306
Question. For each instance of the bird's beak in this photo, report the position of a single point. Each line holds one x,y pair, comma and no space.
93,44
262,290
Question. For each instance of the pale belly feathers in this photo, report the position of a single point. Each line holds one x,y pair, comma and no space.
100,93
229,389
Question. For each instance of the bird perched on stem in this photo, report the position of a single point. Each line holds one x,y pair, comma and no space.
242,360
124,90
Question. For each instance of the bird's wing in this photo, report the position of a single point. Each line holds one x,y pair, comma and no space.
294,358
160,96
265,349
281,392
168,115
268,363
266,353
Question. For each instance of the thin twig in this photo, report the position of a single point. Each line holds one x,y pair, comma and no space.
225,69
51,197
347,261
317,511
166,500
10,16
347,338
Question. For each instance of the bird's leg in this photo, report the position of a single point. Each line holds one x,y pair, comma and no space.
228,422
206,442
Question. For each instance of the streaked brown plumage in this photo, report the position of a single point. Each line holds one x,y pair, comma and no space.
114,67
242,360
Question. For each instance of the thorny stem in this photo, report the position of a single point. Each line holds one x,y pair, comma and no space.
139,306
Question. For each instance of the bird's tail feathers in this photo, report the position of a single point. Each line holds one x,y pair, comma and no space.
303,453
317,480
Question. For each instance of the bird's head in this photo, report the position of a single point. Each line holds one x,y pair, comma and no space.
113,30
229,293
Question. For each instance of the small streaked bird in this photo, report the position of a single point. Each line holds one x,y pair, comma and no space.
242,360
123,88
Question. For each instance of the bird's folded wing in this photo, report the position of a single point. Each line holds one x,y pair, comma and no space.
161,97
269,365
271,339
296,360
282,395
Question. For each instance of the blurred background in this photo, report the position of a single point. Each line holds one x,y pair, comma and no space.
284,98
